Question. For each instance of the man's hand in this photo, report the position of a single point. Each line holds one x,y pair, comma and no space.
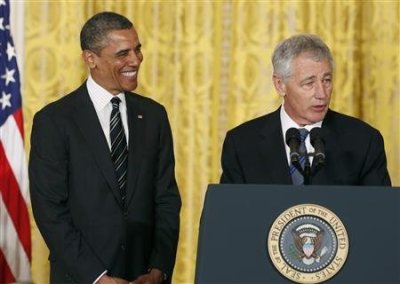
155,276
105,279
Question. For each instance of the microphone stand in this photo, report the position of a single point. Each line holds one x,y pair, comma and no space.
308,172
292,138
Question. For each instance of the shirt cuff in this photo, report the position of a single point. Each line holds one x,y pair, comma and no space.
98,278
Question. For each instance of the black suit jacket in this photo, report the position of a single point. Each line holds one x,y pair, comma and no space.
74,191
254,152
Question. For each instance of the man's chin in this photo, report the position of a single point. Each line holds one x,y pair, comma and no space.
130,87
318,118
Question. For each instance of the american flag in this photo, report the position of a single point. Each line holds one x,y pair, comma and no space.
15,236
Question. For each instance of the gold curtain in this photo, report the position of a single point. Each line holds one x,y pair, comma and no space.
208,62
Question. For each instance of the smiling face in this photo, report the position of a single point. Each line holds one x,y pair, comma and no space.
307,91
116,66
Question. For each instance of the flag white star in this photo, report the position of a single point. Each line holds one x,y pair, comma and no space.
2,2
10,51
5,100
1,24
9,76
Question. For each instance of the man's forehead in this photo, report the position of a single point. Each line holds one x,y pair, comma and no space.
121,36
308,64
119,33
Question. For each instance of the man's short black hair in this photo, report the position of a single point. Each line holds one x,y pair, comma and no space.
95,30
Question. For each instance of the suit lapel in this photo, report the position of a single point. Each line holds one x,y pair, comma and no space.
276,168
332,147
136,123
87,121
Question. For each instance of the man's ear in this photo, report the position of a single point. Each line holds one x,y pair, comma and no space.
279,84
90,58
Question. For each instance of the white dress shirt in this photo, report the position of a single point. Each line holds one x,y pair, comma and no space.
101,99
287,122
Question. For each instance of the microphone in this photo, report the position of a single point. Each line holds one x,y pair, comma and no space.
318,142
293,141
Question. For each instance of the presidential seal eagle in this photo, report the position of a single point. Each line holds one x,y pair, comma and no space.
308,241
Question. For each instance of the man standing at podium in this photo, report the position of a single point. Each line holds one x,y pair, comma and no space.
284,147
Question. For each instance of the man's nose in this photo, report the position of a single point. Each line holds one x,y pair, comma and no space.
135,58
320,90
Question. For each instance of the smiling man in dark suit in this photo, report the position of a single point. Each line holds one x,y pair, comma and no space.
256,151
101,168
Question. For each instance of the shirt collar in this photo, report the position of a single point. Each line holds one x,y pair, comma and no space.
287,122
100,96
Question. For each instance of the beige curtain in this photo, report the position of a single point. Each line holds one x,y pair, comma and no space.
208,62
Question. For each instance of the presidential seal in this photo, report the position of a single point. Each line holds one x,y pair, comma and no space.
308,243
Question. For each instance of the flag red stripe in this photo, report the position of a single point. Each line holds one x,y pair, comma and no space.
19,120
15,257
6,275
14,202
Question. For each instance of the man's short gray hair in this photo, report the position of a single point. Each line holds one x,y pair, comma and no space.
292,47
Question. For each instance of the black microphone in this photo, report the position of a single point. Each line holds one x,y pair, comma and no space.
293,141
318,142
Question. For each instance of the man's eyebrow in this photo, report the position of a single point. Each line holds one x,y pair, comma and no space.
312,77
122,51
126,50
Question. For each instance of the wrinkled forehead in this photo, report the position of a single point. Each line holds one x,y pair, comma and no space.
317,55
120,36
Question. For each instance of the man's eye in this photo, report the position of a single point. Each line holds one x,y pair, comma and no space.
308,85
327,82
122,54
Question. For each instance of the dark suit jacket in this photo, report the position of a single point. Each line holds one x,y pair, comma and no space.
74,191
254,152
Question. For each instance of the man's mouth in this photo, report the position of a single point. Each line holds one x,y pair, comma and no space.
129,74
319,107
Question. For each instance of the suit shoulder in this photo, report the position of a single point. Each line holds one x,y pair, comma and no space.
60,106
252,126
350,124
145,101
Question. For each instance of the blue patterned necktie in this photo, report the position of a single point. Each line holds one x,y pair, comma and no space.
297,177
119,149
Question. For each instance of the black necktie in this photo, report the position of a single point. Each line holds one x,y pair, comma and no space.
297,177
119,150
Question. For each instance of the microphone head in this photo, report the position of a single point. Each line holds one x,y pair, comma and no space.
292,133
318,143
316,134
293,141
